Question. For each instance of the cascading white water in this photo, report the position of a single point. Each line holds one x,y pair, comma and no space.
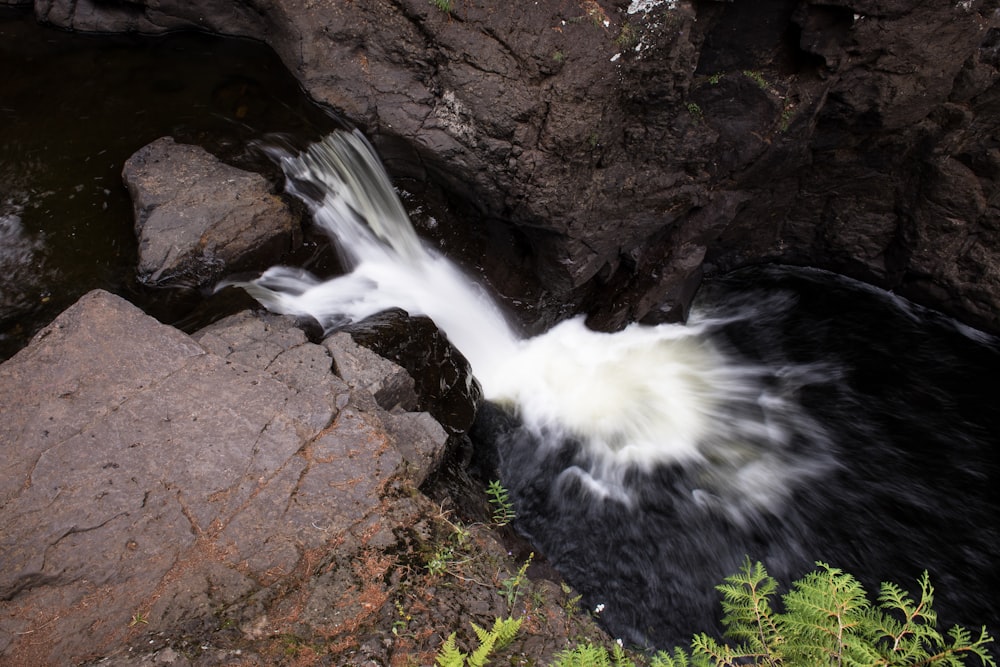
635,399
794,417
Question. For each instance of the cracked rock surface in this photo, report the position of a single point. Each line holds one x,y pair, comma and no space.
150,476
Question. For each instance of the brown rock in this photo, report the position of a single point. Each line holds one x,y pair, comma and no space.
197,218
152,481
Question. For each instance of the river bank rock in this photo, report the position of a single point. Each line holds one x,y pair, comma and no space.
226,489
628,148
197,218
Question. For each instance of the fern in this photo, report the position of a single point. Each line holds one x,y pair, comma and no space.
588,655
582,655
747,614
828,620
449,655
677,659
497,638
824,611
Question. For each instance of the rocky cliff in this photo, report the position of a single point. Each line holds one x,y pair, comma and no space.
626,148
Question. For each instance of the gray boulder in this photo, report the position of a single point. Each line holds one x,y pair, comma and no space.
197,218
152,480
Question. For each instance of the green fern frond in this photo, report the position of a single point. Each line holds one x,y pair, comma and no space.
582,655
746,606
499,636
962,646
824,609
449,655
481,655
707,651
618,657
679,658
505,629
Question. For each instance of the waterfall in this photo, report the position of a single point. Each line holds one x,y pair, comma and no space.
635,399
796,416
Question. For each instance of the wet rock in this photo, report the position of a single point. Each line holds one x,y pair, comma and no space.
392,387
153,481
197,218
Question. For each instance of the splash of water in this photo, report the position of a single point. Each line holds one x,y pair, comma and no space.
636,399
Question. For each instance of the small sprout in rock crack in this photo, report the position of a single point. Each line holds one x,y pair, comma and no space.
503,509
715,78
558,56
786,117
138,619
440,561
443,5
510,587
400,625
572,604
695,110
628,37
757,78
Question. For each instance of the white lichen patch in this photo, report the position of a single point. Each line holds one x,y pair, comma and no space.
647,6
454,117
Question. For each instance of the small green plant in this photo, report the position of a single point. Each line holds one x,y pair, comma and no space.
138,619
443,5
558,56
588,655
786,117
503,509
450,551
441,560
402,622
695,110
757,78
828,620
572,604
497,638
510,587
715,78
628,37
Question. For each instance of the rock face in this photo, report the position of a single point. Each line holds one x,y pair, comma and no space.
197,218
633,146
151,477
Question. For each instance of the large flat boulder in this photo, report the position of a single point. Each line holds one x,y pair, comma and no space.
152,480
197,218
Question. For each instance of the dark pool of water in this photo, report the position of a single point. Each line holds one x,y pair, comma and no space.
73,108
907,405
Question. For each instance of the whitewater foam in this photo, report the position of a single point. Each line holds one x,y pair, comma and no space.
643,397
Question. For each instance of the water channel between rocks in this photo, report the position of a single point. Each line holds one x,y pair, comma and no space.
896,415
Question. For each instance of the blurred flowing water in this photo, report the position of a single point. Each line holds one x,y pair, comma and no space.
796,416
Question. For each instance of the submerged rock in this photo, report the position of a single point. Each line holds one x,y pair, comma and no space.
197,218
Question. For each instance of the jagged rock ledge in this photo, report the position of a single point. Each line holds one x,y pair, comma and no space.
208,499
629,147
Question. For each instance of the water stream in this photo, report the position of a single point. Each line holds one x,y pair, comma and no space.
797,416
